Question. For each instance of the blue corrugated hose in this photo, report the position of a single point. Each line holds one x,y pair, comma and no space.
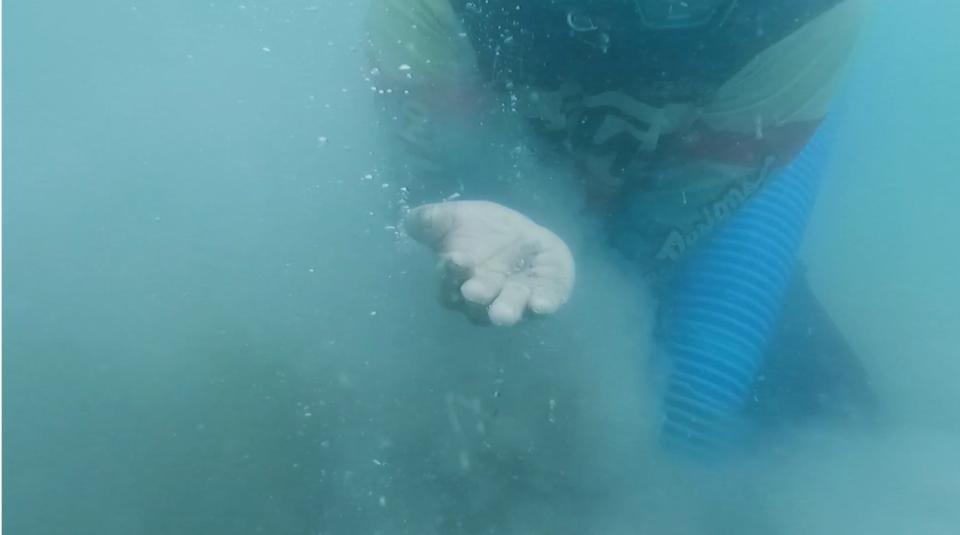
724,308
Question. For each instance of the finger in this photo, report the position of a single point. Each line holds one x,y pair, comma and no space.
545,302
551,283
550,289
508,307
428,224
483,288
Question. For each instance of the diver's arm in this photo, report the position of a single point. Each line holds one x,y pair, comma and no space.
439,120
426,91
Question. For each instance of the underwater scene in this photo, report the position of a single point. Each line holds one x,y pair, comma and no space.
323,267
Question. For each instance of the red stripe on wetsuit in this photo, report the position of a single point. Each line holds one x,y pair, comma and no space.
701,142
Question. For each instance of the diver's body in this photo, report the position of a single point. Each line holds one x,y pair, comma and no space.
672,114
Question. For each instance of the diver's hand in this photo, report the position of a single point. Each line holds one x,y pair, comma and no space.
499,259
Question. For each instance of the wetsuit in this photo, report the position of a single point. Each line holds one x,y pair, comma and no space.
669,131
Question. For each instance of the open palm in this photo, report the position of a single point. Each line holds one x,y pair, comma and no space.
507,262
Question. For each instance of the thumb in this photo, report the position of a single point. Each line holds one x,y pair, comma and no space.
430,223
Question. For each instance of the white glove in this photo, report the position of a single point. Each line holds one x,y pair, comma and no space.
505,261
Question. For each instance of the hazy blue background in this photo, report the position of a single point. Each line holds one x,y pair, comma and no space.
210,328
